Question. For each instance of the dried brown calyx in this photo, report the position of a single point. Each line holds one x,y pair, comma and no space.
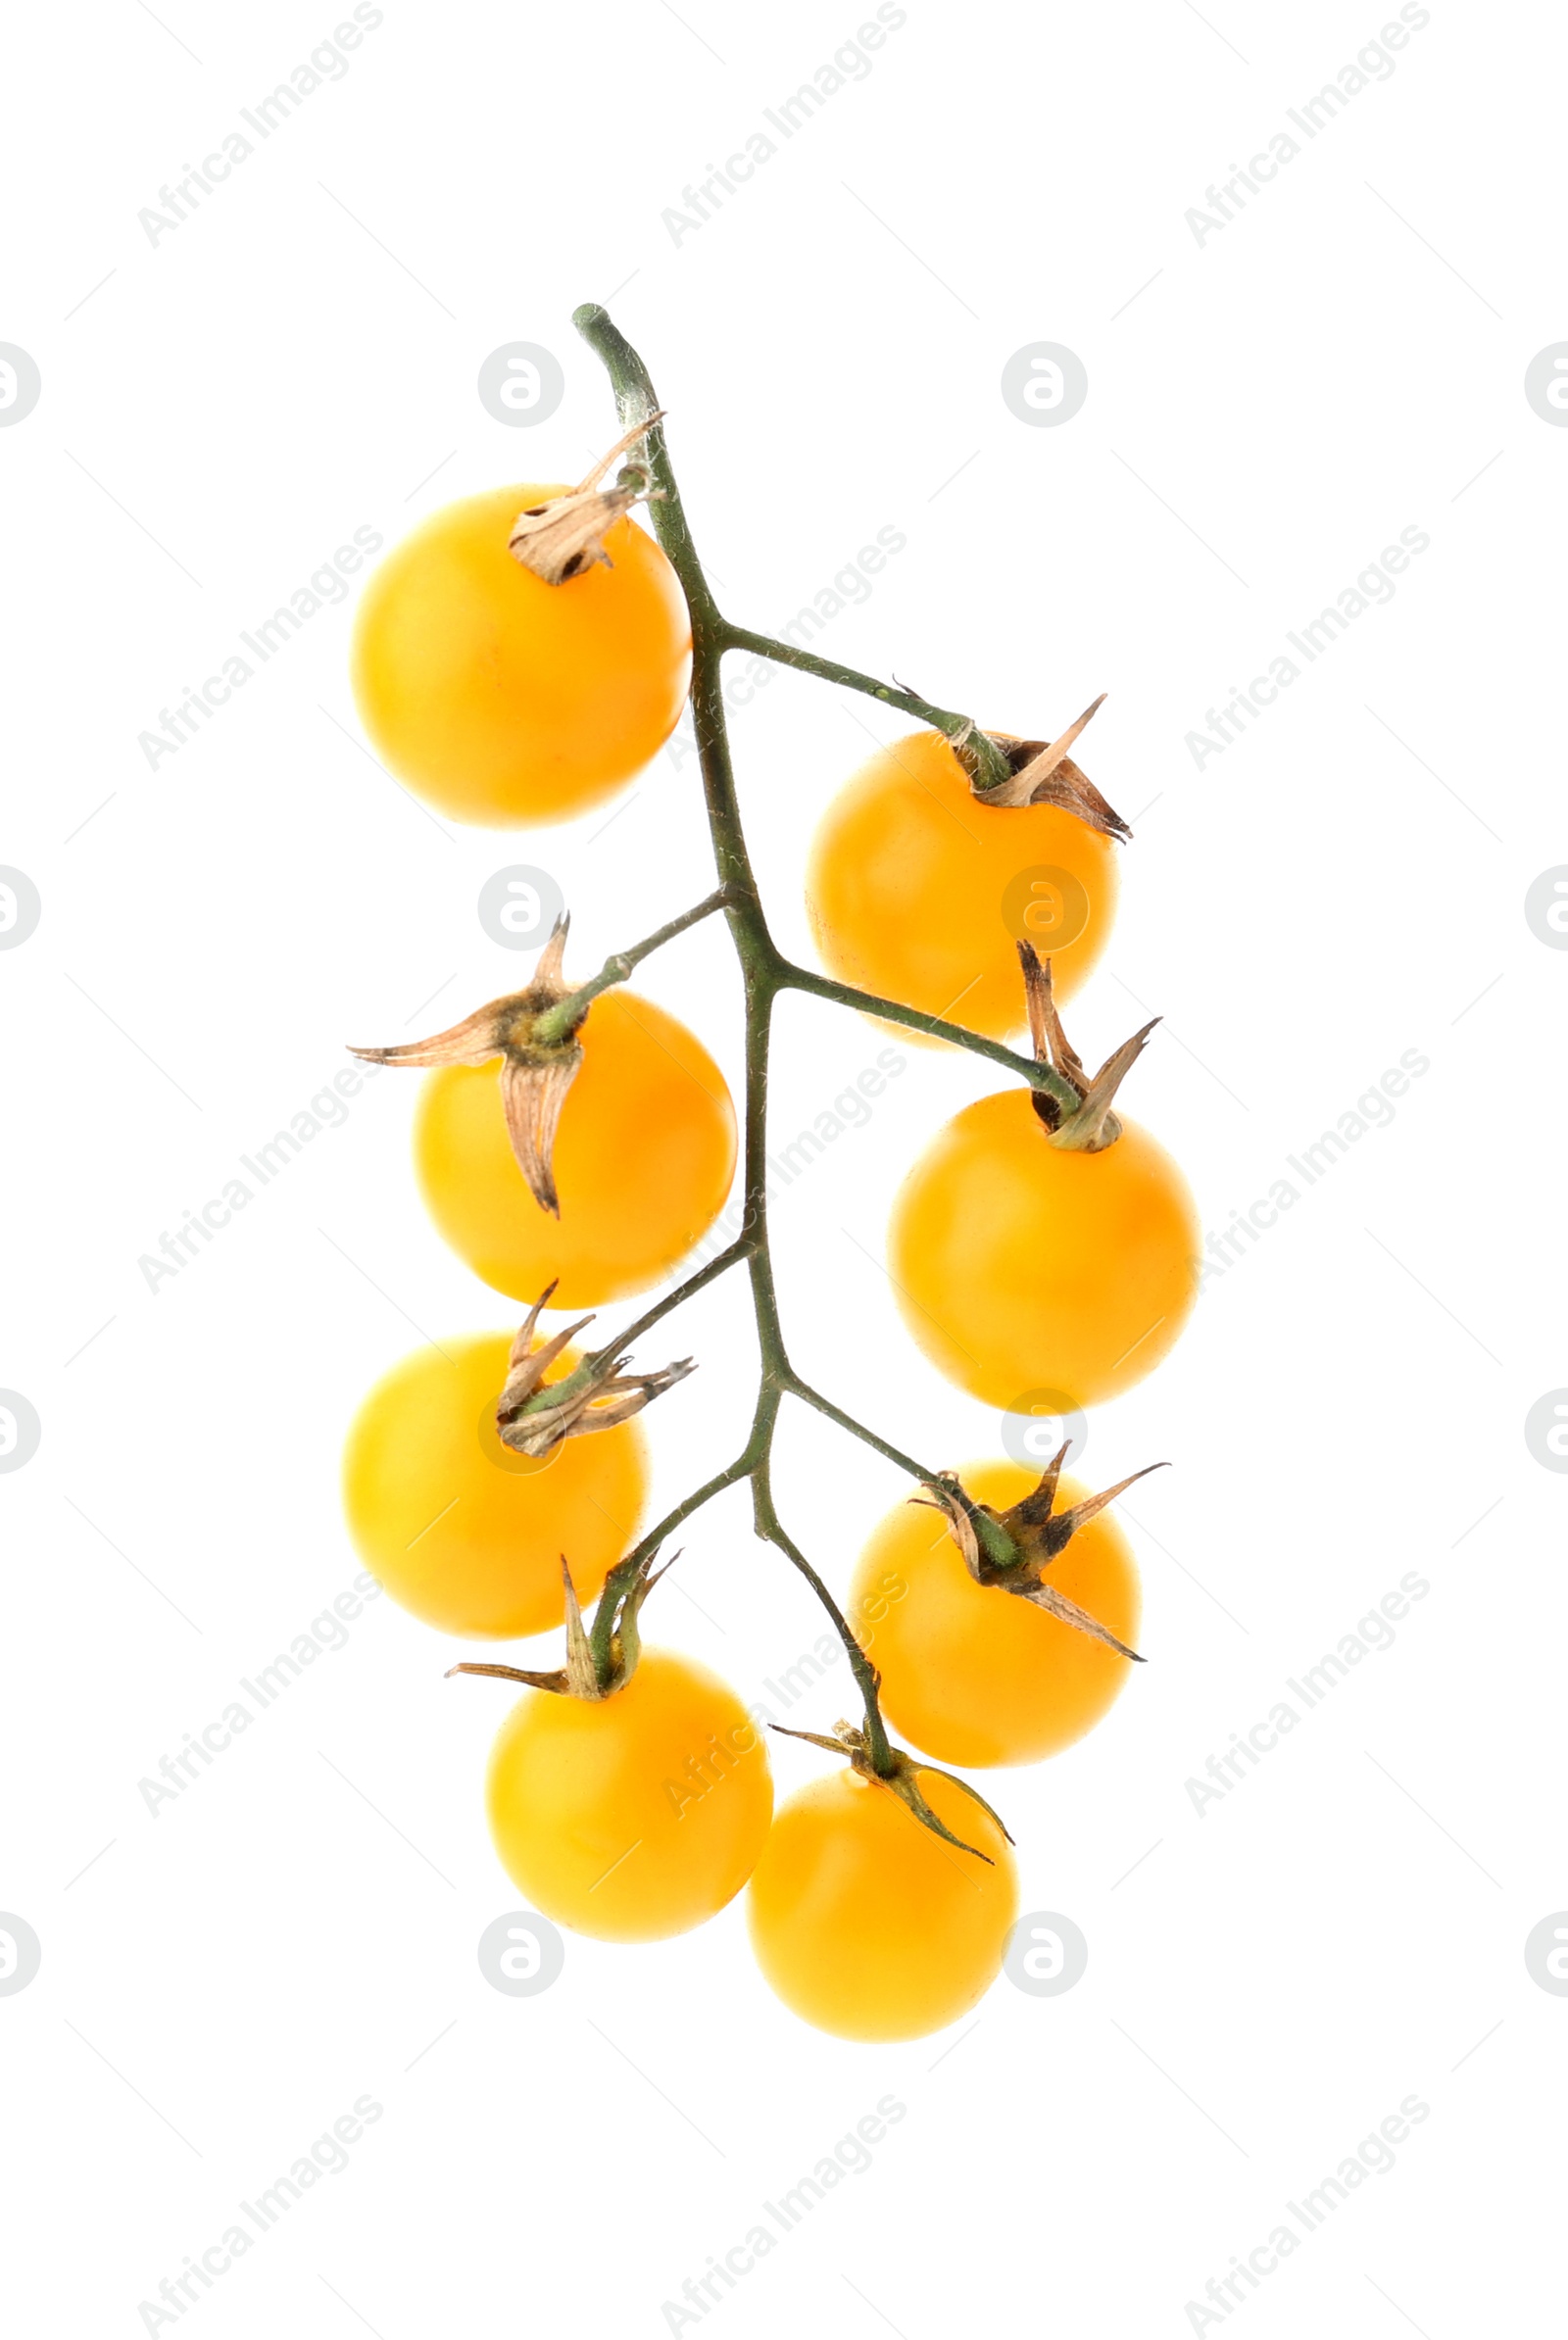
903,1781
1033,1532
602,1661
1092,1126
535,1072
1042,772
534,1416
565,534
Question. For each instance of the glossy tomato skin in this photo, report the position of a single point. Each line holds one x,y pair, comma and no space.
918,893
866,1924
503,701
642,1161
975,1676
637,1815
1020,1266
459,1529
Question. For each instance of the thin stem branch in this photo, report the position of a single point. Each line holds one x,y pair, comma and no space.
636,400
998,1547
867,1676
557,1022
730,1475
962,730
893,1011
857,1430
731,1256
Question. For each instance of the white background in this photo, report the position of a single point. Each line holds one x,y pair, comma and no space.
1267,410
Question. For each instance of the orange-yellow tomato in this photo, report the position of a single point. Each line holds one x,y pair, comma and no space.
643,1160
636,1816
460,1530
973,1675
1020,1266
869,1925
920,893
505,700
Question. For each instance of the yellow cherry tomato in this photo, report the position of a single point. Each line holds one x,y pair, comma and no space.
635,1816
1022,1267
505,700
460,1530
920,893
869,1925
642,1159
973,1675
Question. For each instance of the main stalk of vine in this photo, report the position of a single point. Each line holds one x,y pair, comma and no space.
764,972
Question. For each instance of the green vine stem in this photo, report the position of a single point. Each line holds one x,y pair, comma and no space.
891,1011
766,972
962,730
559,1022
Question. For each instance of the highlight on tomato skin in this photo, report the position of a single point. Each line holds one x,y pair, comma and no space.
460,1530
637,1815
866,1924
919,892
644,1158
975,1675
1019,1265
505,700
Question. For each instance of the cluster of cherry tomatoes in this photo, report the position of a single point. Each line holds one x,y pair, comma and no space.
523,653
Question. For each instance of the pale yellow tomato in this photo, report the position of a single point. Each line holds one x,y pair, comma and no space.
1019,1265
460,1530
502,699
643,1160
868,1923
918,891
973,1674
635,1816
